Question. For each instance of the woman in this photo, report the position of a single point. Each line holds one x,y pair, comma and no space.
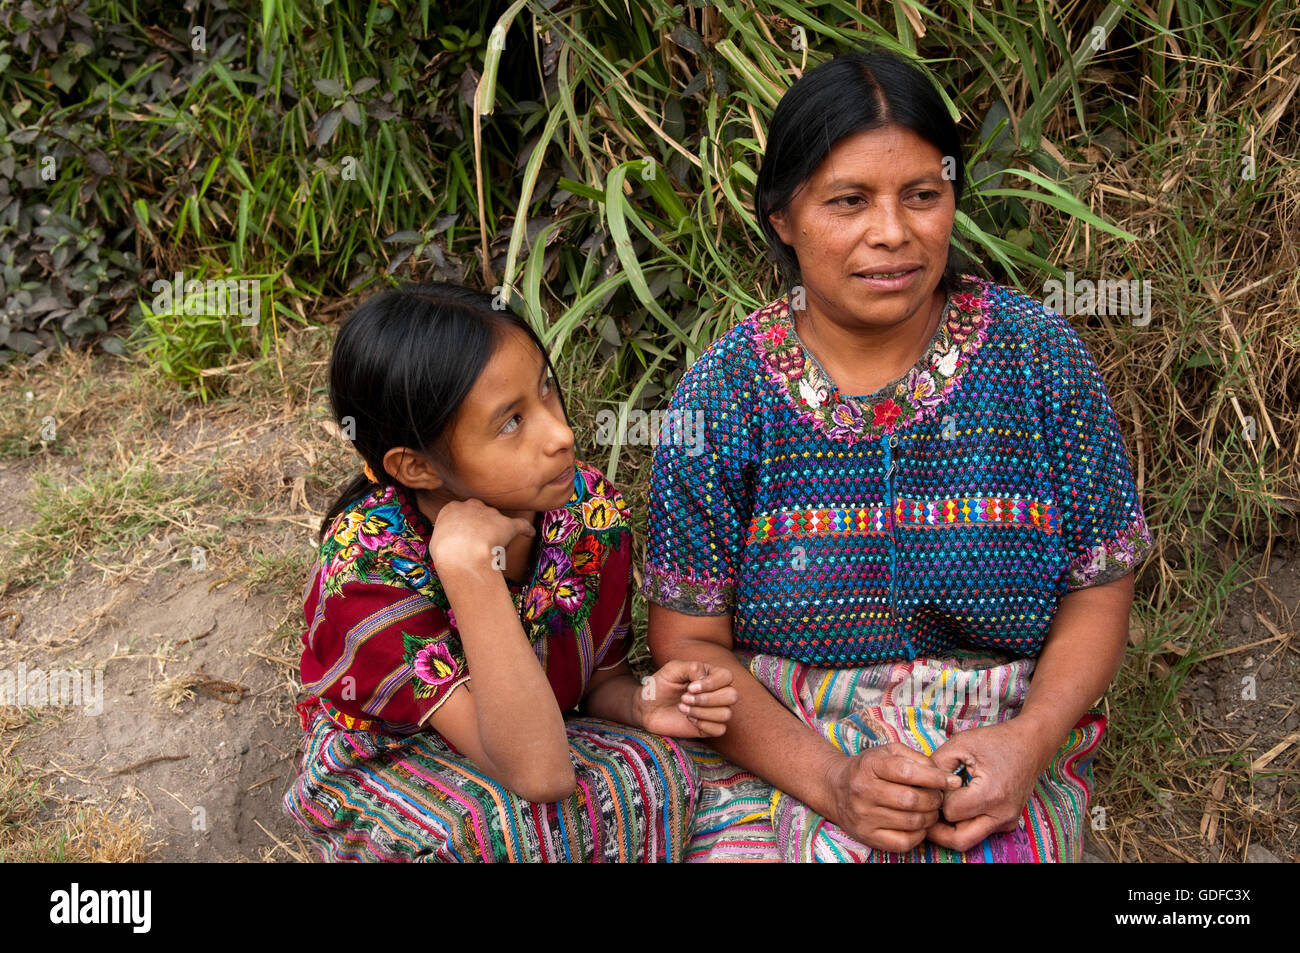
912,497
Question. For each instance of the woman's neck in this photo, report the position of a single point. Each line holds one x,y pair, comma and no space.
862,360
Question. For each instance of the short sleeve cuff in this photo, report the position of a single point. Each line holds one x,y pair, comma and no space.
1117,557
689,593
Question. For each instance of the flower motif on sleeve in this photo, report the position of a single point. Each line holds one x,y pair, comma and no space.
710,597
669,588
433,662
688,591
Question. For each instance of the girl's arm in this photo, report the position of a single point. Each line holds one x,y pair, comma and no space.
681,700
508,722
611,694
765,738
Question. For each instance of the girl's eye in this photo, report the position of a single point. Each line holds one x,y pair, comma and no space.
512,424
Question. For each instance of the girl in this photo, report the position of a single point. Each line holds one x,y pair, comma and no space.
472,588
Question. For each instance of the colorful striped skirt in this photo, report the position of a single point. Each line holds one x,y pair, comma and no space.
367,796
920,703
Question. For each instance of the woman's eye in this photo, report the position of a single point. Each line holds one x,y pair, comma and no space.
845,199
927,196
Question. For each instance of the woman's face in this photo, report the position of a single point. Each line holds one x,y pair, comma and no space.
877,204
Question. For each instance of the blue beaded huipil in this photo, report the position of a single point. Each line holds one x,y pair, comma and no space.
950,509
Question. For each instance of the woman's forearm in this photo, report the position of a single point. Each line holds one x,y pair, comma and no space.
1079,659
520,725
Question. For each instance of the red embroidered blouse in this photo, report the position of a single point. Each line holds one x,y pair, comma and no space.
381,650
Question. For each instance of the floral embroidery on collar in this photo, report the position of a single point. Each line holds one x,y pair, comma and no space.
803,380
383,535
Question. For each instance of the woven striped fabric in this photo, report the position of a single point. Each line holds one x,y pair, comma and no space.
368,796
920,703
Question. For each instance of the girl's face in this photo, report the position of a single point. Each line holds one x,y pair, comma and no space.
878,203
510,442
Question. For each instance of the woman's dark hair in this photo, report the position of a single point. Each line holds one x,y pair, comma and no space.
403,363
854,92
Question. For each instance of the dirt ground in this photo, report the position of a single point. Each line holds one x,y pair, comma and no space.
196,741
205,772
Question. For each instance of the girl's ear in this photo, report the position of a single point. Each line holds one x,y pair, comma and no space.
411,469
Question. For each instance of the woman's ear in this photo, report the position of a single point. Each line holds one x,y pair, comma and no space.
781,225
411,469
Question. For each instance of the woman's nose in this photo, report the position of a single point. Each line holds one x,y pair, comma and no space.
885,225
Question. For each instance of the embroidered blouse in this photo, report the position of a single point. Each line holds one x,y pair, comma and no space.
951,508
381,649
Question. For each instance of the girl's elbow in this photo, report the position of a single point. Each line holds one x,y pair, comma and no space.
547,788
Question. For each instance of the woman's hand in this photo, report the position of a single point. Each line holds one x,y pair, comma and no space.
889,796
1004,762
686,700
467,532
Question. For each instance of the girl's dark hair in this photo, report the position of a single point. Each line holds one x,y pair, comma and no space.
865,89
403,363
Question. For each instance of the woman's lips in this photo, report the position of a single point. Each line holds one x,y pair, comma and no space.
563,478
890,284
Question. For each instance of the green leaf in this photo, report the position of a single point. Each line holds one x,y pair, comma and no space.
330,87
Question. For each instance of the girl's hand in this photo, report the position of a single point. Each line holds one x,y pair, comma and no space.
468,531
686,700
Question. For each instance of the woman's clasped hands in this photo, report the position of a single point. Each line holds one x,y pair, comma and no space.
892,797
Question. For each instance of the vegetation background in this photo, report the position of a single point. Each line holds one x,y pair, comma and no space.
593,162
